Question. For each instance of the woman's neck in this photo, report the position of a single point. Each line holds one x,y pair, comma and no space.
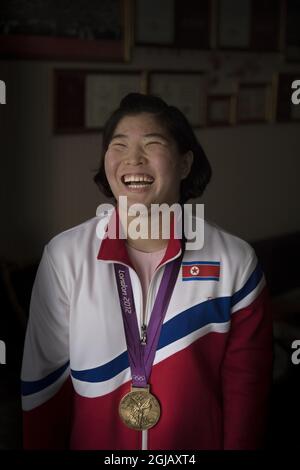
148,245
145,242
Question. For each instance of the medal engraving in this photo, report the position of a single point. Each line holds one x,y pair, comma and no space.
139,409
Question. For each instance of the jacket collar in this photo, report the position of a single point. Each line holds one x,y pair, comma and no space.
114,249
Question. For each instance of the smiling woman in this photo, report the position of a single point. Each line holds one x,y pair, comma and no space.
143,163
119,345
146,126
150,155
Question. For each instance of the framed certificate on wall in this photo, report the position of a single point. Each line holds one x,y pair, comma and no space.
221,110
254,102
84,99
250,24
234,24
65,30
184,89
154,22
174,23
265,25
292,31
193,24
103,93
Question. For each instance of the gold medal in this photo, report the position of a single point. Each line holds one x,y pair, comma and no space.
139,409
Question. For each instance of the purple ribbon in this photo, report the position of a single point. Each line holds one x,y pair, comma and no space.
141,356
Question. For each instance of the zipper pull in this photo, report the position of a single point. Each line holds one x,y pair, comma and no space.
143,335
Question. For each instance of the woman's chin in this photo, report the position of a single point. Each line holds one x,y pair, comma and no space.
137,196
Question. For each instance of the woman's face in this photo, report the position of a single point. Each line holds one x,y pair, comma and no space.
143,163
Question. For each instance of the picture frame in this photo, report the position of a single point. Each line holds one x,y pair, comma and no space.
266,25
184,89
171,24
194,24
285,110
254,102
84,99
154,22
221,110
234,24
249,25
291,18
63,36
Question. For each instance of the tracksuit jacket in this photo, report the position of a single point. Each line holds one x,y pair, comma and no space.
212,368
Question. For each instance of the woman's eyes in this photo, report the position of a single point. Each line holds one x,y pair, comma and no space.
155,142
118,144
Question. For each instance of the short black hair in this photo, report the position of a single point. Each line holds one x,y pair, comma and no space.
176,124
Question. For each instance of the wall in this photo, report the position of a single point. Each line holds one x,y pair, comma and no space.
47,183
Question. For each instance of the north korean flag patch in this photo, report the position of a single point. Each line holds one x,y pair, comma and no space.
200,270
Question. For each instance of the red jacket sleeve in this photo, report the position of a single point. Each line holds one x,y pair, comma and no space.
49,425
247,375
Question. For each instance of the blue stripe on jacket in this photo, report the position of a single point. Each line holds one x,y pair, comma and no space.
216,310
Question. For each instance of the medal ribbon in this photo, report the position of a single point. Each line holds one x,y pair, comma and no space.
141,356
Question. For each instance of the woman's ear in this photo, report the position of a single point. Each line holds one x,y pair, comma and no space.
186,164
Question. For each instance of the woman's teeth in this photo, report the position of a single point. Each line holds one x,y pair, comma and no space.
137,181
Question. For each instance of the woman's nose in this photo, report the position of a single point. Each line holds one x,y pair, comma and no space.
135,157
